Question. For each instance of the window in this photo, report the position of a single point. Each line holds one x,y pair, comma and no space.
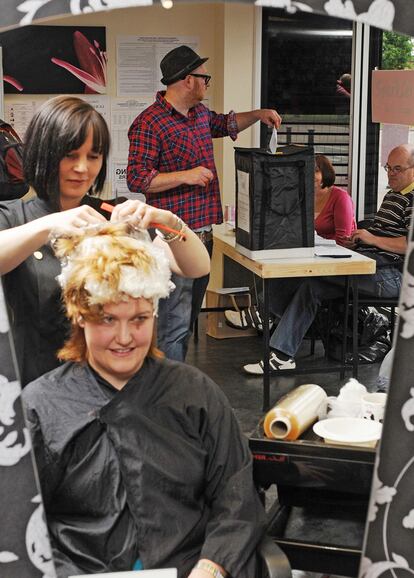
303,57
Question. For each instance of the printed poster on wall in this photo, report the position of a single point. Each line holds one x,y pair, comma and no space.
55,60
138,61
19,114
123,113
119,182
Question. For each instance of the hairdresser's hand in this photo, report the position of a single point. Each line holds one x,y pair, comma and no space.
142,215
72,220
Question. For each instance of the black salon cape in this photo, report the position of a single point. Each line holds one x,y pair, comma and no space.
158,471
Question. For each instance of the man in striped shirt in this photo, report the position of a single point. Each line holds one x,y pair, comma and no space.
385,241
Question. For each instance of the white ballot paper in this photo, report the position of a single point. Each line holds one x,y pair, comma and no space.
273,141
332,251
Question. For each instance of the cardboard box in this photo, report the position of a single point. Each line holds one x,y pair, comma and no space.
216,322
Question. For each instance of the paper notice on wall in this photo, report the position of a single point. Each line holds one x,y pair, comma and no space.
19,114
393,96
99,102
138,61
243,201
119,181
123,113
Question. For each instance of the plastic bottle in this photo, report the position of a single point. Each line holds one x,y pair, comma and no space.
294,412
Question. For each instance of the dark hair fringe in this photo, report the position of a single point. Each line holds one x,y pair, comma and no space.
328,172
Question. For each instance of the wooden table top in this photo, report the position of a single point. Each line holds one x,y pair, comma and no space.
293,267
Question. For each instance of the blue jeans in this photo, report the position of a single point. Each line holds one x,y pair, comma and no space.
177,313
297,302
174,315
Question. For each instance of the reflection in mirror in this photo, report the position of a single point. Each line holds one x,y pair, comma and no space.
24,548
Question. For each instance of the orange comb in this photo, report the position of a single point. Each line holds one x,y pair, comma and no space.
109,208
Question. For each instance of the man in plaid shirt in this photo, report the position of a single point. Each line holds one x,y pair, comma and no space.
171,161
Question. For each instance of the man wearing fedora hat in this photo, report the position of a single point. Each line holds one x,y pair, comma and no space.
171,161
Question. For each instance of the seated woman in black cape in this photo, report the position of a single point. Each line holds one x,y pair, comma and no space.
139,457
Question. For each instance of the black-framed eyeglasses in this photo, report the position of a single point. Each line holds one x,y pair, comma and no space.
206,77
397,169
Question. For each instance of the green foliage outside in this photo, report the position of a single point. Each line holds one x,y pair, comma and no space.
397,52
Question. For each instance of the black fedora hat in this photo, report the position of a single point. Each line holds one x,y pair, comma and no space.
178,63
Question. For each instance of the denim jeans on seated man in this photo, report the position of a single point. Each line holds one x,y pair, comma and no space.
298,307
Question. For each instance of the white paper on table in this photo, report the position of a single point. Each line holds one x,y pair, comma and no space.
332,250
322,241
273,141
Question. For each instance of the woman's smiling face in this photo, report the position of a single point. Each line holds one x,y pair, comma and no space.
118,344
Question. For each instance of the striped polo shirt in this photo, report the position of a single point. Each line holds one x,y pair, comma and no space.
392,220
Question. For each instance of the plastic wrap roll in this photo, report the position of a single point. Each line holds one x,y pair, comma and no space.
294,412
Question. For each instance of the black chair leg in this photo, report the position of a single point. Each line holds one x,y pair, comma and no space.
392,323
195,332
312,341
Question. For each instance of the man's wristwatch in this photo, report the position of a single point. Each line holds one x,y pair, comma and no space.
210,568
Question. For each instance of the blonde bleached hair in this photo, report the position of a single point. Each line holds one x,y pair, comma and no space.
107,264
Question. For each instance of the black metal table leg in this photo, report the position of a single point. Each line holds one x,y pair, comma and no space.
266,346
345,329
355,308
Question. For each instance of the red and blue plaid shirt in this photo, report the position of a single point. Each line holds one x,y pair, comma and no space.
162,140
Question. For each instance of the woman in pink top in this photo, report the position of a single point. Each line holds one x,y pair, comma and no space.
334,209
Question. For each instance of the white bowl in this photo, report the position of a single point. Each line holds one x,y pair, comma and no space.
349,431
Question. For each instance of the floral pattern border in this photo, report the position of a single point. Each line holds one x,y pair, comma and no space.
24,543
390,530
386,14
25,550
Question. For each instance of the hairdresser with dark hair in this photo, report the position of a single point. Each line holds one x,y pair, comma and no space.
66,150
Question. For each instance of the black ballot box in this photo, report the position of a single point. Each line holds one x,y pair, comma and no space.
275,201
